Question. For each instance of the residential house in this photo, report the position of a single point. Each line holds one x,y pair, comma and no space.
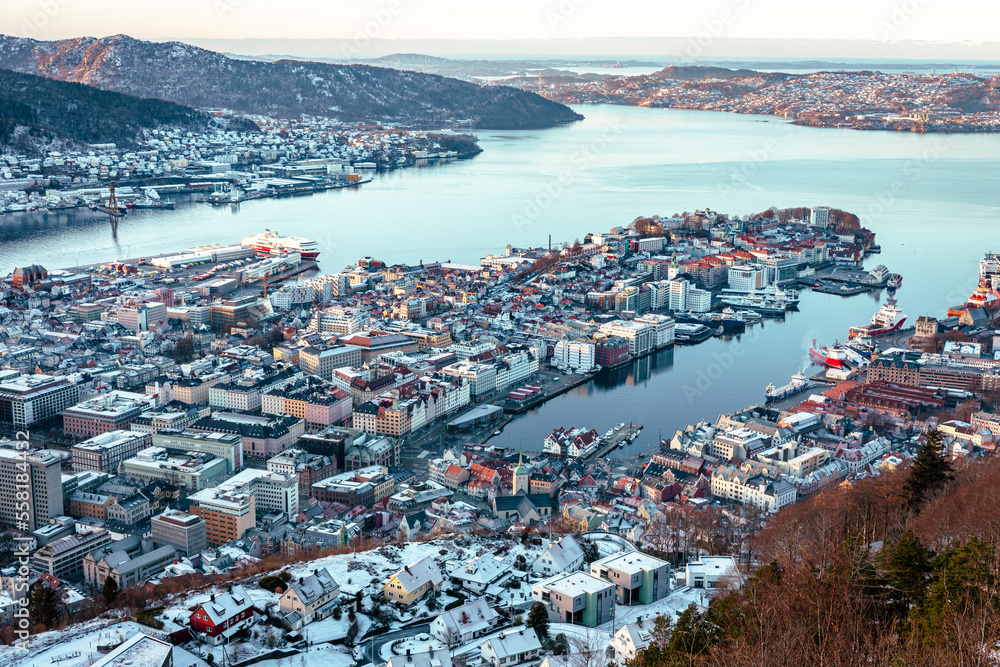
511,648
312,598
463,624
413,582
566,555
223,615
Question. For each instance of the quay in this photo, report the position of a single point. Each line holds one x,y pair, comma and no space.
622,436
840,289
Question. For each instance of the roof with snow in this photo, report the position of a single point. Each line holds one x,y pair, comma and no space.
508,644
415,575
471,617
224,606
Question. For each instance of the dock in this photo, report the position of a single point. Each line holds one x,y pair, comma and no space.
619,438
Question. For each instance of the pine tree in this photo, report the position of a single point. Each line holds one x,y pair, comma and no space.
929,470
538,619
43,605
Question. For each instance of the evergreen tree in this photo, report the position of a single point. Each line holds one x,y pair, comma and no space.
43,605
929,470
110,590
538,619
907,567
693,634
590,552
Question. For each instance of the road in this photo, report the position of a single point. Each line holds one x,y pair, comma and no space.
373,646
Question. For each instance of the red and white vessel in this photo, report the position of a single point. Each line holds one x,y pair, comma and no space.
268,241
895,280
888,319
838,356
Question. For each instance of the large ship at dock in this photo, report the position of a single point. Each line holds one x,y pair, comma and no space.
268,241
838,356
771,301
987,294
797,384
887,320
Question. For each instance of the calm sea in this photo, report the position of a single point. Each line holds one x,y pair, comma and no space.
933,201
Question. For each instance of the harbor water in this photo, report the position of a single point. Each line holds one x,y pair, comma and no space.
933,201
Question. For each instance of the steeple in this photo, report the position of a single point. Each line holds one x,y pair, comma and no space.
519,482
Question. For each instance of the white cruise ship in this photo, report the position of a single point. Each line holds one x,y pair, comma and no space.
268,241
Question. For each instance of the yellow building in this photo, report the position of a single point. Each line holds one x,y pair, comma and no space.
413,582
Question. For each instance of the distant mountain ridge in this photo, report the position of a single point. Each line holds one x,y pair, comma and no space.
205,79
38,113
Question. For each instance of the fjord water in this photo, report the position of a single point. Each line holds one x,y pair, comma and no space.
933,201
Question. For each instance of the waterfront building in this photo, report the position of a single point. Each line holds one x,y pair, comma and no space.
641,337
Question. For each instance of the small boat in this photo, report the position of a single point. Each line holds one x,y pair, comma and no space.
895,280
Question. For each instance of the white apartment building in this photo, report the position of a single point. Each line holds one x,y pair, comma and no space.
26,400
640,336
104,452
142,316
747,277
663,328
576,355
819,216
749,487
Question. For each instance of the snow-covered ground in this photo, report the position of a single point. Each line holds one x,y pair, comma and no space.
365,573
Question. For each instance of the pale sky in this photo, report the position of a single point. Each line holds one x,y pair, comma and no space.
875,20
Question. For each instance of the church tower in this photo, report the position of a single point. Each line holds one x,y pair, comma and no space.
520,481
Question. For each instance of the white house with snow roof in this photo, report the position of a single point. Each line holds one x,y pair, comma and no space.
465,623
511,648
476,574
566,555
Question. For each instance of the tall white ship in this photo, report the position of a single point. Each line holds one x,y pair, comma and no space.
268,241
888,319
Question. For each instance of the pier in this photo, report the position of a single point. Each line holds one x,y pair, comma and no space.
620,437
